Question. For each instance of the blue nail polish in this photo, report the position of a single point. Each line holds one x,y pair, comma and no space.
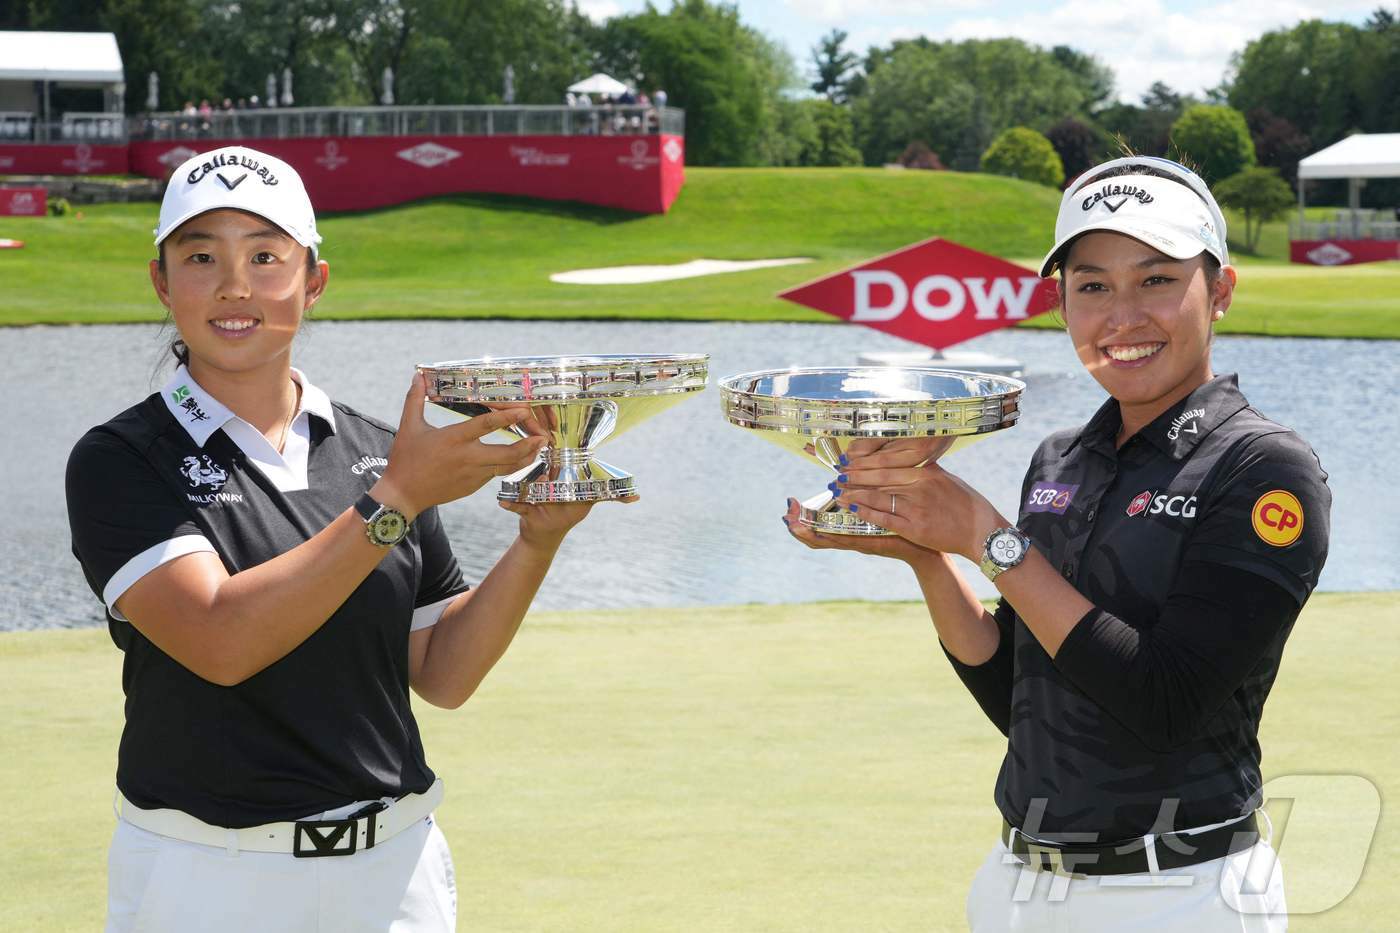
841,478
855,508
835,490
844,461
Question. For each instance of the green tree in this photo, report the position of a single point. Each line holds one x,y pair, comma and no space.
1258,193
1215,139
1021,152
1324,78
1145,127
833,65
722,72
957,96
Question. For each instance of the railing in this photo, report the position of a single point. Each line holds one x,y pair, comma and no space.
101,128
293,122
1349,225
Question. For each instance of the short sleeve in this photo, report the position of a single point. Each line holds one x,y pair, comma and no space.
1269,514
441,580
125,521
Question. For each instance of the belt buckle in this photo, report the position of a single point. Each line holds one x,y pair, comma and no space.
1045,858
324,844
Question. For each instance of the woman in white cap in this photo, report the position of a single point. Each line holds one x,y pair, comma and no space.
274,568
1161,554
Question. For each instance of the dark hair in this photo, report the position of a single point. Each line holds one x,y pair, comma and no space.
177,346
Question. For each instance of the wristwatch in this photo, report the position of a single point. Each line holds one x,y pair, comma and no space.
384,526
1005,548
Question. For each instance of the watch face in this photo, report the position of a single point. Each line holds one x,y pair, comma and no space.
390,527
1005,548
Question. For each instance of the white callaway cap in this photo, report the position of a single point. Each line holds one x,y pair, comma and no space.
1181,220
243,179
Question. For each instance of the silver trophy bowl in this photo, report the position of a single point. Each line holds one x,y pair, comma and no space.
578,402
822,413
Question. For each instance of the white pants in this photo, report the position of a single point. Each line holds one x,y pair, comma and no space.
159,884
1240,893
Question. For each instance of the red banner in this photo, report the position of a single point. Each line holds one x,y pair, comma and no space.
1342,252
24,202
634,173
70,159
937,293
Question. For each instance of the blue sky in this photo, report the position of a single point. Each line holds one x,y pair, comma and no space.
1187,43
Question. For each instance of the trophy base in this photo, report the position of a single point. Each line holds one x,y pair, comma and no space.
574,481
822,513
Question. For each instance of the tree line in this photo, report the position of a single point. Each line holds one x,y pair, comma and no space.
919,102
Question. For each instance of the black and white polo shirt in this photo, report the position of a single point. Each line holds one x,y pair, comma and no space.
326,725
1197,541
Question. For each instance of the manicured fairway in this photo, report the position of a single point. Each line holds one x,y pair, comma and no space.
492,256
788,768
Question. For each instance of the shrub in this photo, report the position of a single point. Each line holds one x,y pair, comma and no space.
1021,152
1216,139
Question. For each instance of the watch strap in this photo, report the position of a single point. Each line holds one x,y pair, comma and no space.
366,505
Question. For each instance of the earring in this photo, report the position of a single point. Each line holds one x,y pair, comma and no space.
1217,315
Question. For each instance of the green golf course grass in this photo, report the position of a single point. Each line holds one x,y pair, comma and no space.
490,256
751,768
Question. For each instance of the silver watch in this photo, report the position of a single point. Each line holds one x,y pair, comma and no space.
1005,548
384,526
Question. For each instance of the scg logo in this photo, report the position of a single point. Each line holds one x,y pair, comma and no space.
1163,503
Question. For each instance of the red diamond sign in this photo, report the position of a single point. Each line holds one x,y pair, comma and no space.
937,293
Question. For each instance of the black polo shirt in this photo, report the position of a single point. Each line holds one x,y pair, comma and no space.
1197,542
326,725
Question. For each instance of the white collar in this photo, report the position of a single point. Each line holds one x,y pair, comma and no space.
200,414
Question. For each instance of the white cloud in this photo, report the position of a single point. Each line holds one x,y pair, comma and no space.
853,11
1144,42
599,10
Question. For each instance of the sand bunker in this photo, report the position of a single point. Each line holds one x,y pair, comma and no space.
640,275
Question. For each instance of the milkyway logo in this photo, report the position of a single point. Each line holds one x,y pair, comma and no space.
331,159
82,161
637,158
1140,503
177,156
1329,254
428,155
532,155
936,293
672,149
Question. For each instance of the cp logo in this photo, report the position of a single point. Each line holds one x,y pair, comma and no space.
1278,518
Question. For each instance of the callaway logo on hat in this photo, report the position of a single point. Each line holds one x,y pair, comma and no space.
243,179
1181,220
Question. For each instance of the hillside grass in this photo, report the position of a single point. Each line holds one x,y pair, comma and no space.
807,768
489,256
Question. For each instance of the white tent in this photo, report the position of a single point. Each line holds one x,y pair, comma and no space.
598,84
33,62
69,57
1365,155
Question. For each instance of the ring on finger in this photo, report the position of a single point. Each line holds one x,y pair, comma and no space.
892,504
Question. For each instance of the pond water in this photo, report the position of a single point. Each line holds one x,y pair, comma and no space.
707,530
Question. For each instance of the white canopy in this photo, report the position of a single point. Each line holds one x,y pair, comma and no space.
1365,155
83,57
598,84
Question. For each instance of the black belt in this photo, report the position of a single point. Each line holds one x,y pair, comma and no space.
1174,850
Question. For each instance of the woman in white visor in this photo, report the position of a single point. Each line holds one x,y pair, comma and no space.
1160,556
274,569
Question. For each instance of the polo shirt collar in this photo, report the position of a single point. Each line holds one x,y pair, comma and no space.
201,414
1178,430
